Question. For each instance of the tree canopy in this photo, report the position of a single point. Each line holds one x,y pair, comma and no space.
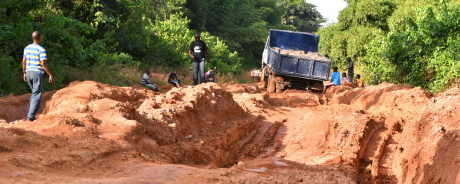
401,41
84,34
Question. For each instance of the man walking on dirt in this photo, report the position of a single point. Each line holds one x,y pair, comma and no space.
199,49
33,67
350,68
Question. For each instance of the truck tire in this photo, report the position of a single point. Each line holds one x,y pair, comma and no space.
271,84
263,79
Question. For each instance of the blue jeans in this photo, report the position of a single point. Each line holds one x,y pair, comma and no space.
200,66
35,81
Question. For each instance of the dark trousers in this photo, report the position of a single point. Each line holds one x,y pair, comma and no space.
35,81
198,66
350,77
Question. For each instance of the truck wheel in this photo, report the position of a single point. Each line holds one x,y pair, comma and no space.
264,81
271,84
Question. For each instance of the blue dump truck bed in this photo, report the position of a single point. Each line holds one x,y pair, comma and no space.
311,66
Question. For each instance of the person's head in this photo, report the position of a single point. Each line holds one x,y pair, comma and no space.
336,68
147,71
349,59
175,71
197,36
358,76
37,36
344,74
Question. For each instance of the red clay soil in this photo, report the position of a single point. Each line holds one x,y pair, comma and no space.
233,133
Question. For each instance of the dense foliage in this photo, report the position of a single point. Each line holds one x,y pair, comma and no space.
411,41
426,54
87,35
244,24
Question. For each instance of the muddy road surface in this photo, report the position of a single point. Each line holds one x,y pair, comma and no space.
90,132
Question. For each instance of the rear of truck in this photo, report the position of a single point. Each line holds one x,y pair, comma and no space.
291,59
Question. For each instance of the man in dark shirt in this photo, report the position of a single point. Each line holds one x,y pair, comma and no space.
351,71
199,49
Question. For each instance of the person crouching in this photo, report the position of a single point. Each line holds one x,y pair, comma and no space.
172,79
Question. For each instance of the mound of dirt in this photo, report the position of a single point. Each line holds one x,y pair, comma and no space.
295,98
365,98
430,152
401,135
242,88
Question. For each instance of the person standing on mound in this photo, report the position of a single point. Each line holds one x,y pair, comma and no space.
335,79
33,68
199,49
351,69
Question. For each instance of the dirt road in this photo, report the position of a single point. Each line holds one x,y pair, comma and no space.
95,133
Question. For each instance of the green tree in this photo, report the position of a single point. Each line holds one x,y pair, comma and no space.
303,16
245,24
426,54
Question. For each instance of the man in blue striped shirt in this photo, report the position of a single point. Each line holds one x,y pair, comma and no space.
33,67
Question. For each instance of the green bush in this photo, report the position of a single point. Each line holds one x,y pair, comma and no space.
426,54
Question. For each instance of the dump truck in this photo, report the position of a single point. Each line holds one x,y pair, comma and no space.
291,60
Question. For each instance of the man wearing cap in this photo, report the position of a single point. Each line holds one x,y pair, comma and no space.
199,49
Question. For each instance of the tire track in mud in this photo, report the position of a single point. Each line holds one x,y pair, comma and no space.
377,163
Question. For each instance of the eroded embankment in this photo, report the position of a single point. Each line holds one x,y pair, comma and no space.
91,121
388,133
380,134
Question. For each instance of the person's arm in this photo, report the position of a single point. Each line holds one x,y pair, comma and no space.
190,54
24,60
140,80
350,65
170,77
45,66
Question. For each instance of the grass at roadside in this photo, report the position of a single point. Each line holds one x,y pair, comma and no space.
127,76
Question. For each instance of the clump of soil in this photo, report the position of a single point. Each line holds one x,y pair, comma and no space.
242,88
301,53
